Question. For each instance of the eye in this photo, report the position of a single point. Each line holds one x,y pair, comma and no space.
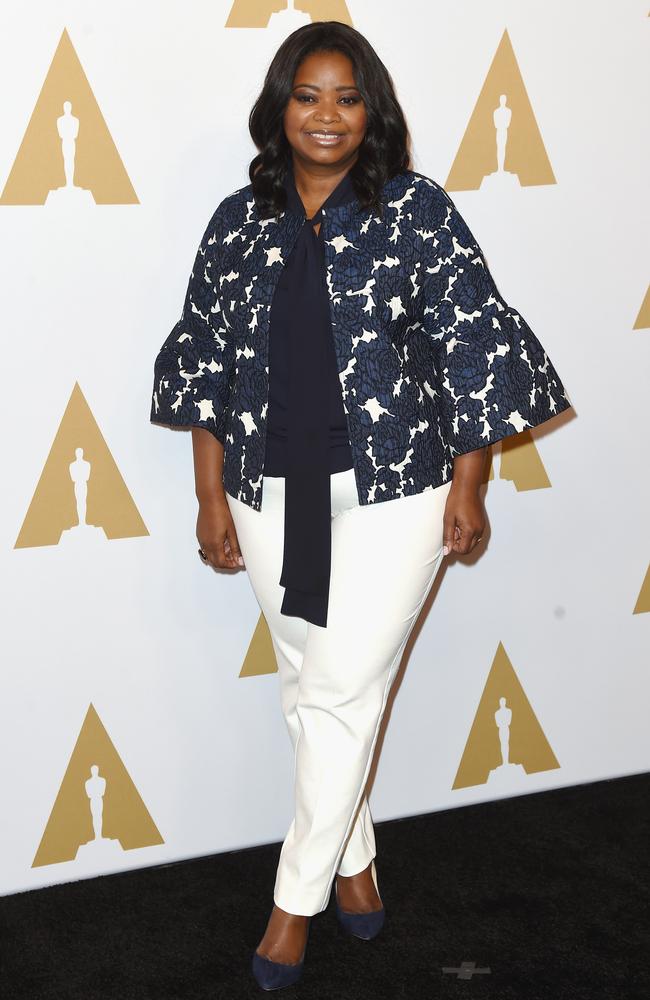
305,98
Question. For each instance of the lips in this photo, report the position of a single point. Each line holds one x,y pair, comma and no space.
324,139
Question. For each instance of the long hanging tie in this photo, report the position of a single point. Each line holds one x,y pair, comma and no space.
307,513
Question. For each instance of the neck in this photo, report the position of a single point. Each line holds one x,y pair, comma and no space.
314,182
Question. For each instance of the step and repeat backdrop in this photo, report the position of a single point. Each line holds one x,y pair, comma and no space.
140,717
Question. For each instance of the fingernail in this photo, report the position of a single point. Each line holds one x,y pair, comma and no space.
445,550
240,560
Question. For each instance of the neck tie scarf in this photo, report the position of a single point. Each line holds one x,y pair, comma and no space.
307,508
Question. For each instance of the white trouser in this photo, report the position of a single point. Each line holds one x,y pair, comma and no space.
335,681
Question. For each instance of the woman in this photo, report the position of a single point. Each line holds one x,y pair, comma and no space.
343,358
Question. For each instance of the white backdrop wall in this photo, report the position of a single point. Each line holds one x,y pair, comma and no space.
121,649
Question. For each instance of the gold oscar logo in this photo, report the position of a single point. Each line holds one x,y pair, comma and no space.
506,742
80,496
519,462
287,15
67,155
643,319
98,812
643,601
260,658
502,146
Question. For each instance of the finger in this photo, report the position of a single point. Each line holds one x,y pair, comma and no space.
212,557
472,534
233,545
223,555
478,537
216,556
473,542
463,536
448,525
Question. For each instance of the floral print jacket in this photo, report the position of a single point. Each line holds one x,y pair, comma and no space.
432,361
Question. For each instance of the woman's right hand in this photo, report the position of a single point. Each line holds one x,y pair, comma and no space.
216,534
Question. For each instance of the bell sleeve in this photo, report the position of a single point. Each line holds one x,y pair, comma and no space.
194,367
493,377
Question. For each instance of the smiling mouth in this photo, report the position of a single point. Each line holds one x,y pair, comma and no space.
323,132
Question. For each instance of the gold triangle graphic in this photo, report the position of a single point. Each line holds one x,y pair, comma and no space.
260,657
520,462
494,126
96,791
39,170
528,749
643,600
79,471
643,319
257,13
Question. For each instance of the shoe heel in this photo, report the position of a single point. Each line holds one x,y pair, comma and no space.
362,925
373,872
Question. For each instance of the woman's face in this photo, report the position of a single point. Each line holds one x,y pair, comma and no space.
324,99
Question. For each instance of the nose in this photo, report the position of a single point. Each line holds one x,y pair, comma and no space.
327,113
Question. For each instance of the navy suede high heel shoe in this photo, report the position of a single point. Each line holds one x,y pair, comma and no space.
274,975
362,925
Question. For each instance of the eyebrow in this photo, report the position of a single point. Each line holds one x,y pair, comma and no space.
349,86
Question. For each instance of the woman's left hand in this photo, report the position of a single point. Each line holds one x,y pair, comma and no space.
464,518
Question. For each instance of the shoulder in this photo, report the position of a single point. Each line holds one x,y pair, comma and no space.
423,204
236,202
230,214
422,193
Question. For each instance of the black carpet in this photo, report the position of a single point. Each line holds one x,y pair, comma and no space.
548,894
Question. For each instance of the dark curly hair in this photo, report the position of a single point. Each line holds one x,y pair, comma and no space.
383,152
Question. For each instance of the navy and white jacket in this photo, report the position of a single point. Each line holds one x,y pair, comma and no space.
432,361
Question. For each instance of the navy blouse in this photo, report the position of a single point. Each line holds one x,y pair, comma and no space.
278,416
305,442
